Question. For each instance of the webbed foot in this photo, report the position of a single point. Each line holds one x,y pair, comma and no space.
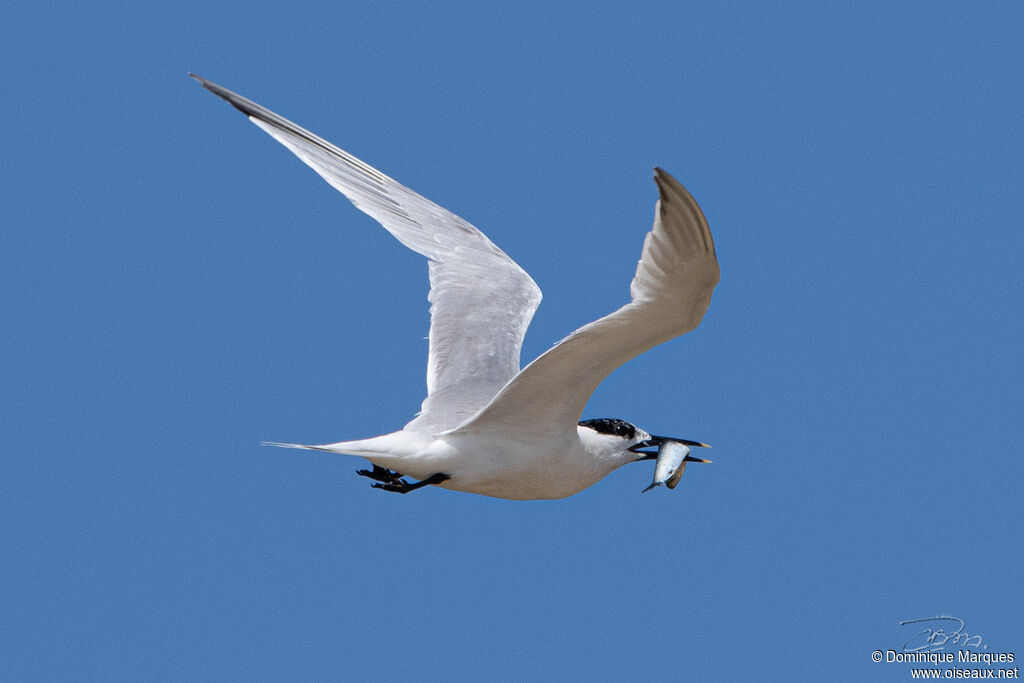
381,474
399,485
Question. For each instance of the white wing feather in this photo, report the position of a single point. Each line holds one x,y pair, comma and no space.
670,292
475,341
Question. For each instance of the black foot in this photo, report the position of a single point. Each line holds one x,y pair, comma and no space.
399,485
381,474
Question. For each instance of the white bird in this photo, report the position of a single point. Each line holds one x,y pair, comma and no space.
486,426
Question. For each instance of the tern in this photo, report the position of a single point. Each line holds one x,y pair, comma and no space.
486,426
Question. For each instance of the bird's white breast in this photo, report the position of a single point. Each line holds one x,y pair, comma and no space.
519,469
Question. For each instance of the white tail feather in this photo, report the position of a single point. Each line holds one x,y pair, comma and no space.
278,444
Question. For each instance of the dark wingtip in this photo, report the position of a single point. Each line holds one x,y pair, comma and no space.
242,104
662,174
664,181
659,175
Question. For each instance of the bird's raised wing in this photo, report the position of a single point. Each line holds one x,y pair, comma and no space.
481,300
670,293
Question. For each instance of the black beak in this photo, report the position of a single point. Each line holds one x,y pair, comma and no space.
656,441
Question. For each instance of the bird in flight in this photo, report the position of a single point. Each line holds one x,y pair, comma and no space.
487,426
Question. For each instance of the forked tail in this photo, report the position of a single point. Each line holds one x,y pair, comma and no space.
395,451
293,445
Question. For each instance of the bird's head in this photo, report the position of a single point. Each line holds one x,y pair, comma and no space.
627,438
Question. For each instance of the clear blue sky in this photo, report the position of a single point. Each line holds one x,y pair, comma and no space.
177,287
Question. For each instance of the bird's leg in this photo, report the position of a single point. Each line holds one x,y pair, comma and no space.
402,486
381,474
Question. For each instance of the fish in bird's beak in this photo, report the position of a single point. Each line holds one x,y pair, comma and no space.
672,455
657,441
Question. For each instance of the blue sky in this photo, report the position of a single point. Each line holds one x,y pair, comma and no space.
177,287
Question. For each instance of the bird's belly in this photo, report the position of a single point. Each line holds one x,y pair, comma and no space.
500,468
513,473
519,488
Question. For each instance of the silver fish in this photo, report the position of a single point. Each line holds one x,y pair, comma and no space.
672,459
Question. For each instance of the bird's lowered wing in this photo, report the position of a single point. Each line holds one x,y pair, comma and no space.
670,293
481,300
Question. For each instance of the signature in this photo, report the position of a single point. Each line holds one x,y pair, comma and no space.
935,636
